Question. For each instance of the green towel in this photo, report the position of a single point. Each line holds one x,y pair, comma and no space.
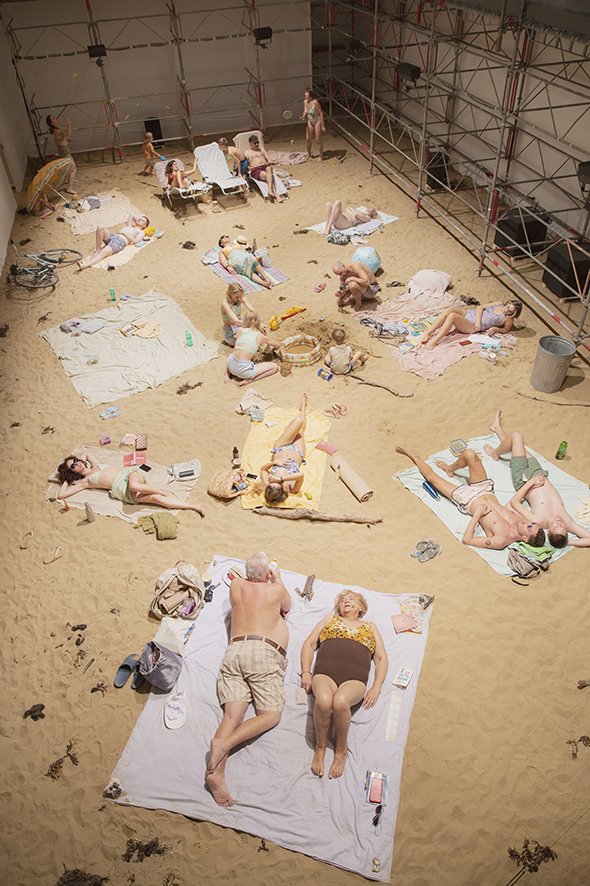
164,525
541,554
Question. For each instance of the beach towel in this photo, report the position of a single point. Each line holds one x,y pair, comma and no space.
128,364
121,258
115,208
257,453
276,795
99,499
210,259
363,229
499,471
288,158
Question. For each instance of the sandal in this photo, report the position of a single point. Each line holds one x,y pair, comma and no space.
341,409
332,412
55,555
26,539
430,553
421,547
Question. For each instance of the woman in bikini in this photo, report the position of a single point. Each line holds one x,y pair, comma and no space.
127,485
248,340
339,218
177,179
61,140
496,316
345,646
282,475
313,114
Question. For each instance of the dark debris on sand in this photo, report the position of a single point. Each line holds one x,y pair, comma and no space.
16,424
143,850
100,687
532,856
48,430
35,712
189,244
185,388
55,769
77,877
583,740
4,330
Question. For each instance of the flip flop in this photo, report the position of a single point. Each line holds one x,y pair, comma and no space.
55,555
175,711
126,668
26,539
138,679
333,412
343,409
485,355
430,553
421,547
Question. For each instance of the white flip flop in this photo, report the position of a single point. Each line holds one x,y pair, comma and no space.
175,711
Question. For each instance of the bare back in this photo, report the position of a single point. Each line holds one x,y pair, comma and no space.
257,607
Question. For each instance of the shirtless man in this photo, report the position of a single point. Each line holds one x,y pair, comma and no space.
110,244
260,166
501,526
253,667
339,218
238,158
531,483
357,284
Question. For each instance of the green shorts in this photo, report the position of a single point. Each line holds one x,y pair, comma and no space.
523,469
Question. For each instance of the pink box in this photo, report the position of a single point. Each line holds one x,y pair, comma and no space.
104,440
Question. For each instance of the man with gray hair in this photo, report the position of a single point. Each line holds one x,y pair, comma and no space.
357,284
253,667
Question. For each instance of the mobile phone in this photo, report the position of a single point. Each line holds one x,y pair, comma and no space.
252,476
145,468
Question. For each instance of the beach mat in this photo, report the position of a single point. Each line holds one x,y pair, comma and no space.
115,208
210,259
499,471
120,258
276,795
257,453
364,229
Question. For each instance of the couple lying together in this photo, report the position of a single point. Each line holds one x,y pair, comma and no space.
254,665
504,525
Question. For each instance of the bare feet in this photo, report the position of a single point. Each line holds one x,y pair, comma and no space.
430,345
198,508
317,764
318,159
218,752
226,378
218,787
496,424
403,451
81,266
304,399
489,450
337,767
445,467
583,683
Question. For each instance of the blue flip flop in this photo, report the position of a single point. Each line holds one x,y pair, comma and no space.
138,679
126,668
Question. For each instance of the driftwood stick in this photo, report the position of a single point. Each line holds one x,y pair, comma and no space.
306,513
542,399
375,384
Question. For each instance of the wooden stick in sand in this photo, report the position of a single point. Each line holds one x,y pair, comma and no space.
540,399
306,513
375,384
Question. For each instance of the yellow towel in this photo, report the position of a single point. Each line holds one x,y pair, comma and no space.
261,440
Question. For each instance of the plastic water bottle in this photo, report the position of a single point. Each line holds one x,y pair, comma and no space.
431,490
113,296
189,339
562,450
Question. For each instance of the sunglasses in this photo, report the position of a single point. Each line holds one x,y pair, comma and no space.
378,816
75,461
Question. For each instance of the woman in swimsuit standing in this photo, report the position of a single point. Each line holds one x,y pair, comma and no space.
346,644
61,140
312,112
496,316
248,340
282,475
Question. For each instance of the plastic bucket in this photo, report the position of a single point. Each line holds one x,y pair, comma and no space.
554,355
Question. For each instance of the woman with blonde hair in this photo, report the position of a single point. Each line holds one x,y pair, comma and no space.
282,475
345,646
231,313
249,339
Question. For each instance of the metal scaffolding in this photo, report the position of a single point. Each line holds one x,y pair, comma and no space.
484,120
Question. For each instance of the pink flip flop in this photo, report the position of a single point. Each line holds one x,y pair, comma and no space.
342,409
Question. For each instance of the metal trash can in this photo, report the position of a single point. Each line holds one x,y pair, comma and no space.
554,355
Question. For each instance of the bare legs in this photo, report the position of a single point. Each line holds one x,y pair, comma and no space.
469,458
72,176
295,430
513,443
153,495
261,276
335,218
233,731
445,322
332,701
268,176
101,251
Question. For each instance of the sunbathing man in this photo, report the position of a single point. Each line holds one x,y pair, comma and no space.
260,167
357,284
531,483
253,667
501,526
124,484
339,218
110,244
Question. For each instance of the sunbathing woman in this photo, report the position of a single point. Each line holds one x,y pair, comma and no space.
345,645
283,475
248,340
127,485
177,179
339,218
236,259
313,114
496,316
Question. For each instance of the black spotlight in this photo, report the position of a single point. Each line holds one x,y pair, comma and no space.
98,51
262,37
408,72
584,174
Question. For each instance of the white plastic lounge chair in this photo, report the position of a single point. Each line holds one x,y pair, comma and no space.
242,142
191,193
215,171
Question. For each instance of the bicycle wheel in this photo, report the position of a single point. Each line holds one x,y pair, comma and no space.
61,256
35,278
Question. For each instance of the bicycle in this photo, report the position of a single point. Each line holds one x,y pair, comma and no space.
42,275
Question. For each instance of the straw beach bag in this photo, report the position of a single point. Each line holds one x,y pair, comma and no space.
223,484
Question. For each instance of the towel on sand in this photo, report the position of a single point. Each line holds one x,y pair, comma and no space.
261,440
115,208
362,229
276,795
210,259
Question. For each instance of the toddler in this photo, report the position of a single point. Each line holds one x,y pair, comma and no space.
150,155
340,358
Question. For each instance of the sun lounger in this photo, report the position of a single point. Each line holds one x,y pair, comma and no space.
214,169
191,193
241,141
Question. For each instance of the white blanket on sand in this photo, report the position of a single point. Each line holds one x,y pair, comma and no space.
499,471
115,208
276,795
366,228
128,364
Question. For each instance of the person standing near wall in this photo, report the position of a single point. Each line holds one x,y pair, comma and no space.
61,140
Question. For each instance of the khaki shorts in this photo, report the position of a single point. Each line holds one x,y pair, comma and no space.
464,495
524,469
252,671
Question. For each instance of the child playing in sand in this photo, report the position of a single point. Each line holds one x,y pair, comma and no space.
149,152
231,313
340,358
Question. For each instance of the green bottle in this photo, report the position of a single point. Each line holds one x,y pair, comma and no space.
189,338
113,296
562,450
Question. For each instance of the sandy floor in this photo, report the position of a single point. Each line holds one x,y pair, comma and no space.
487,763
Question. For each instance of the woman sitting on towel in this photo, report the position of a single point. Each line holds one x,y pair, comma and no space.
248,339
496,316
176,178
345,646
339,218
283,475
236,259
127,485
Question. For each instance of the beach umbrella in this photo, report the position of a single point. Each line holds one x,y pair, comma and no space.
50,177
